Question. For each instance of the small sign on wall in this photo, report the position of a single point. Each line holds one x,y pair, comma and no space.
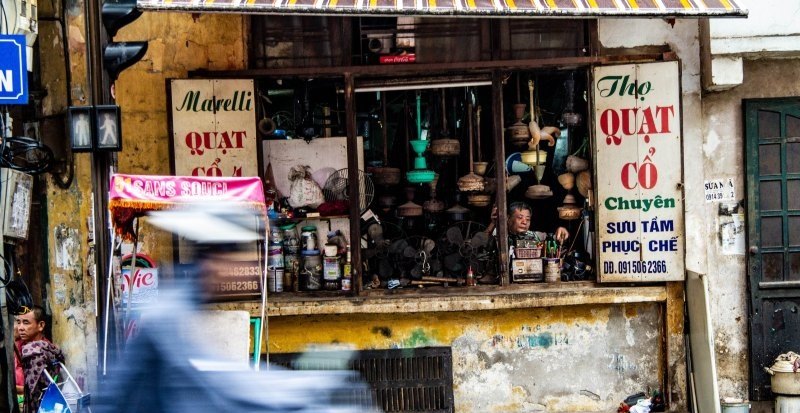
13,69
719,190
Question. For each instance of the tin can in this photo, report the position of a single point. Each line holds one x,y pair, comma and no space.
331,269
275,256
552,270
347,273
275,280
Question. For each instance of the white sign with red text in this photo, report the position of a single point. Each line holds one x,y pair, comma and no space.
214,127
639,170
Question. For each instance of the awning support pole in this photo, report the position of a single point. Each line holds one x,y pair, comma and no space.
127,318
108,301
264,321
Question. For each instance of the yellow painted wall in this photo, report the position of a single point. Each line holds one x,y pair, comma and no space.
383,331
178,43
569,358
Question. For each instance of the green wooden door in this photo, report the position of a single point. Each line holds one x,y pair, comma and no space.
772,156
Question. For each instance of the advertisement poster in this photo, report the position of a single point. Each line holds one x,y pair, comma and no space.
214,127
639,170
142,287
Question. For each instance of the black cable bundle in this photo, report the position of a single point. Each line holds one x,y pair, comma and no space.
18,297
25,155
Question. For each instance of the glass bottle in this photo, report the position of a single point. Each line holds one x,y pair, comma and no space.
347,275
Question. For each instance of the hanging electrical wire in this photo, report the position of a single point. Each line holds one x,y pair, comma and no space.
25,155
18,297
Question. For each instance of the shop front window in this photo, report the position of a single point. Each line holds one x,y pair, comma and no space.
428,181
468,173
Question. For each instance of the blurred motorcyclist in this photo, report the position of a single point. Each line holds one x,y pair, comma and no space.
163,370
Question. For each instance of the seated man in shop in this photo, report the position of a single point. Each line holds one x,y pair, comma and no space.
519,222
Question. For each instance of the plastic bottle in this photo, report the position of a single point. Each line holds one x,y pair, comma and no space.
347,276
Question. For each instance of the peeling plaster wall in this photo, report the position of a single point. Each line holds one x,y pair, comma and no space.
70,282
178,43
558,359
723,157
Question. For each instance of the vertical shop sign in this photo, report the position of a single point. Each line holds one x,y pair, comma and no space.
213,127
639,172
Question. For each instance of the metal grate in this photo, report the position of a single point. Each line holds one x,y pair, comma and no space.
402,380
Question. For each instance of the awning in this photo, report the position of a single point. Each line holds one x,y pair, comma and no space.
132,196
467,8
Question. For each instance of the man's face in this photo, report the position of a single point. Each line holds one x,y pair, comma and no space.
28,328
519,221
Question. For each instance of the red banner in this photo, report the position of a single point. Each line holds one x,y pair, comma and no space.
131,196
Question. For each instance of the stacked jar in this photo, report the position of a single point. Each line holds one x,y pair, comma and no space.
331,270
275,261
347,276
291,257
311,266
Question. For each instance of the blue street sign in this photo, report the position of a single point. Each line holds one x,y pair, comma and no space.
13,70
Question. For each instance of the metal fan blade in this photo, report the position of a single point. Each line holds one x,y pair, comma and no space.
375,232
398,246
479,240
453,262
454,235
428,245
410,252
416,272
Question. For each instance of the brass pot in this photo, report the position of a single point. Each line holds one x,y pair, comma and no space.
433,205
386,176
569,212
479,200
458,213
409,209
529,157
445,147
538,192
584,183
567,180
576,164
518,135
470,183
480,167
